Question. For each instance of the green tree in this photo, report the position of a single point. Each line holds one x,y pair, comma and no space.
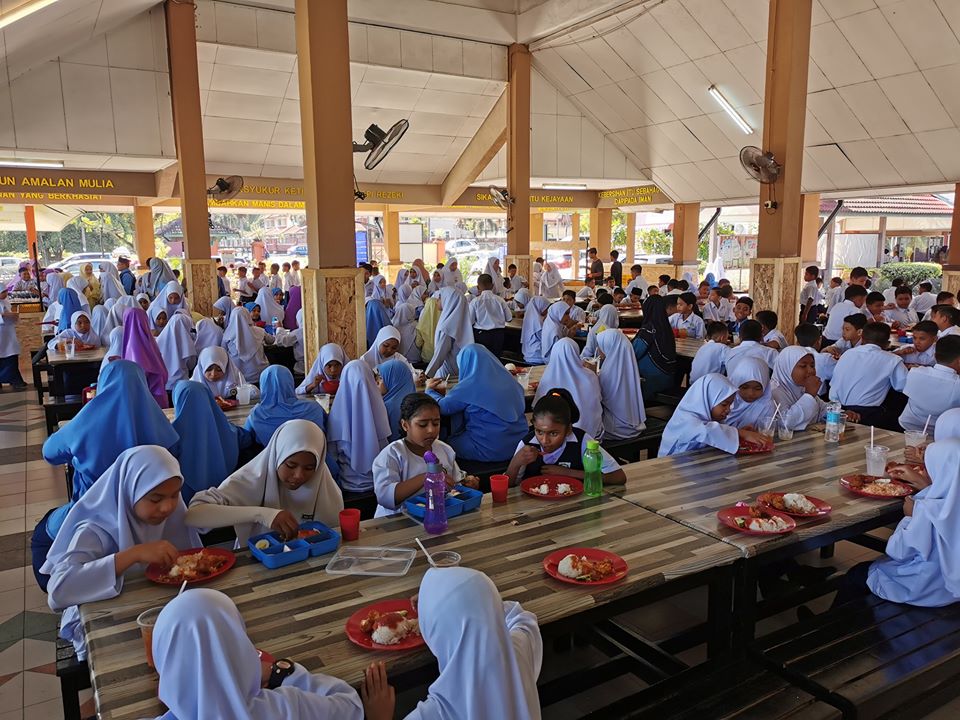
655,242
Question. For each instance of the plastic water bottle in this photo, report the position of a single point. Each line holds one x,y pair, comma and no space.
275,322
435,488
593,469
832,434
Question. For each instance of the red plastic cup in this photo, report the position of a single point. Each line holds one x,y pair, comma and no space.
350,524
498,487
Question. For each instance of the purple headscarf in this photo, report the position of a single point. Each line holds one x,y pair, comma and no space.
293,306
139,346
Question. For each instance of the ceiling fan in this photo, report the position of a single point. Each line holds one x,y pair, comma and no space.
760,165
225,188
501,198
379,143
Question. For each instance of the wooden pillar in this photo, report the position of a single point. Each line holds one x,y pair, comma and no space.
536,236
881,239
809,227
145,237
391,233
686,241
631,239
575,227
775,276
198,268
601,221
332,284
518,157
30,221
951,271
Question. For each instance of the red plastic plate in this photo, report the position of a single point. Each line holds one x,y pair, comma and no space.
729,515
159,574
903,488
552,481
552,561
822,507
359,637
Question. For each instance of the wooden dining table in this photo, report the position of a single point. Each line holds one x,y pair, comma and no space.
300,611
85,364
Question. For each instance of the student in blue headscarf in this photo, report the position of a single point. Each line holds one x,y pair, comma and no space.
377,318
485,407
710,280
397,383
210,445
279,403
69,304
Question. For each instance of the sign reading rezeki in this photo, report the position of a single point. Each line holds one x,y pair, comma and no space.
631,196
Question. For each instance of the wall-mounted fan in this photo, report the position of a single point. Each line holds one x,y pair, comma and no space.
501,198
380,143
761,165
225,188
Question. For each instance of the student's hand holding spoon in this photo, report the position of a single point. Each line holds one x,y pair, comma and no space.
285,524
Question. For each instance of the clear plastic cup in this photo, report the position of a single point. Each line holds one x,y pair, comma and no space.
915,438
446,558
785,433
768,426
69,348
876,459
145,621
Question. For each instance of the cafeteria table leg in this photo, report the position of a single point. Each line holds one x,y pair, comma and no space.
826,552
744,603
719,613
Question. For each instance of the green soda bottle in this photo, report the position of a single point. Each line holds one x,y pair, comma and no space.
592,469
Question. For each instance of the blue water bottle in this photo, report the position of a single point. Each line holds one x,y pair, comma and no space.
435,488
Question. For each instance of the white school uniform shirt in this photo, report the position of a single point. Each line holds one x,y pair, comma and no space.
396,463
245,288
608,464
275,282
693,325
710,358
578,314
952,330
489,311
226,285
516,282
898,314
890,295
865,374
825,364
835,296
923,302
776,335
751,348
930,391
834,327
716,313
675,291
809,292
586,293
637,282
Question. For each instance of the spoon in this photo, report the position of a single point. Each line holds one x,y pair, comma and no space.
429,557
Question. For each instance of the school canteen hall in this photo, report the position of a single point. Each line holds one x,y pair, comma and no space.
565,126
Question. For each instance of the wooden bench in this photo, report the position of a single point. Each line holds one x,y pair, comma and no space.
40,365
741,690
670,397
56,411
628,451
872,658
74,676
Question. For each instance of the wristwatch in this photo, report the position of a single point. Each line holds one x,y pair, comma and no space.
280,670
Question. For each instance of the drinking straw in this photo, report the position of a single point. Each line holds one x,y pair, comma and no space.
429,557
182,588
926,424
871,437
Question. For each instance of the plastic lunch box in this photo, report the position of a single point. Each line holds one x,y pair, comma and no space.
467,499
274,556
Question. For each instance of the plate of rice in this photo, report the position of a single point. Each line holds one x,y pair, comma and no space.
876,487
385,625
795,504
756,520
585,566
551,487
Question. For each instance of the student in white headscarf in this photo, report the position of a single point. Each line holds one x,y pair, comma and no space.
405,321
555,327
324,374
358,426
244,346
224,306
115,316
143,300
78,285
520,300
170,298
114,347
493,270
385,347
620,395
209,668
269,308
98,320
287,484
131,516
607,318
485,632
80,330
565,370
753,403
698,421
215,370
531,333
178,348
551,284
453,333
451,273
209,334
110,286
795,386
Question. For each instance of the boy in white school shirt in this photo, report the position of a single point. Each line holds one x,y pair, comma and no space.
922,351
933,390
890,294
712,355
489,315
751,345
868,379
850,335
855,297
944,297
588,291
686,318
925,300
637,281
901,314
808,295
772,337
945,317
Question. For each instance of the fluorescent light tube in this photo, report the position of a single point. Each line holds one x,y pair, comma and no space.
728,108
564,186
48,164
9,18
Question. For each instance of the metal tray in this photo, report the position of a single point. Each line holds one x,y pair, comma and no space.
356,560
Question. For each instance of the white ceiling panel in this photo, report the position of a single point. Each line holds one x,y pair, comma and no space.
922,29
870,161
672,95
623,105
873,109
945,83
836,166
711,136
943,146
695,84
601,110
585,66
877,44
835,117
249,81
613,65
835,57
845,8
721,72
394,97
686,141
698,181
909,158
686,32
656,41
625,44
726,31
916,102
235,105
254,131
751,63
644,97
285,133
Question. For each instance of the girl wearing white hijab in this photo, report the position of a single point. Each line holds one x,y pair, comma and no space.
325,369
209,668
493,270
215,370
520,300
225,306
115,316
209,334
244,347
554,327
454,332
795,386
620,395
114,347
607,317
698,420
110,286
531,333
171,289
451,273
159,317
285,485
501,637
551,284
131,516
565,370
87,337
385,347
143,300
78,285
436,283
358,426
405,321
293,339
98,319
269,308
753,402
178,348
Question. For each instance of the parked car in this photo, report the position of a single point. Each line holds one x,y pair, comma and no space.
298,250
461,247
74,267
